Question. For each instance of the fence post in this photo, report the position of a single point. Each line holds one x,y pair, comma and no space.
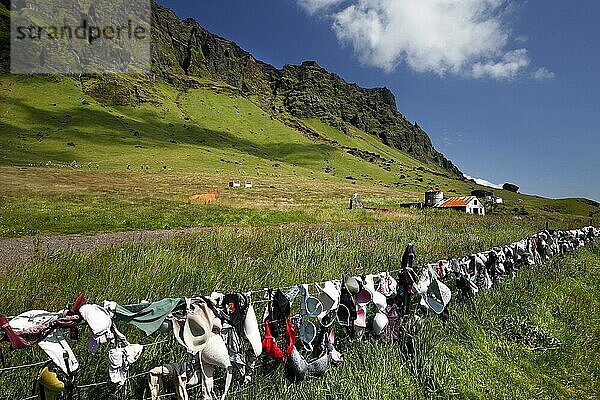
546,225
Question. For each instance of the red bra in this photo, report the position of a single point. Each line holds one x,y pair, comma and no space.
271,348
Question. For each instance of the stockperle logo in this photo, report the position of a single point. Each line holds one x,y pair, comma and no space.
79,37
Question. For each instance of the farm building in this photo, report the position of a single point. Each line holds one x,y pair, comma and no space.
468,204
433,197
494,199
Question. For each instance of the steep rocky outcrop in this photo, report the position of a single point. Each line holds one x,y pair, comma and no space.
184,49
309,91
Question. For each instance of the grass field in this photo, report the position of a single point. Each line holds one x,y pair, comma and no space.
37,201
71,162
535,337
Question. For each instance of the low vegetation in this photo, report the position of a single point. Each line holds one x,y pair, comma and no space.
534,337
71,163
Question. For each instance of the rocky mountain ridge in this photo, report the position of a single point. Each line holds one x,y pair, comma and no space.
183,52
183,49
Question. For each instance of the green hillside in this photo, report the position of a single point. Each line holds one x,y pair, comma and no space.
210,128
116,152
133,166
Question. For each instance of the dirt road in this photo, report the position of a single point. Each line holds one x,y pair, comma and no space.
17,251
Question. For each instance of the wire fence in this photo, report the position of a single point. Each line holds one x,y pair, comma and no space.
244,388
24,366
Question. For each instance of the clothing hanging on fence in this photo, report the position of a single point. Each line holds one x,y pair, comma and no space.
120,359
236,306
252,332
388,286
437,295
211,329
199,333
346,313
378,298
270,346
234,347
193,331
406,280
179,374
54,344
215,355
24,333
233,311
392,331
329,297
102,328
278,310
148,316
409,256
305,328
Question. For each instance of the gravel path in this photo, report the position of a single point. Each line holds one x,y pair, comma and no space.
17,251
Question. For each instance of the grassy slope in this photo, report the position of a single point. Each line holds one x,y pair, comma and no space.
208,130
133,167
535,337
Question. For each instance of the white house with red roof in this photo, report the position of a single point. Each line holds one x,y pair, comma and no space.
468,204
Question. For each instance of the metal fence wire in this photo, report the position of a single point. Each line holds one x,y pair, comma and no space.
78,388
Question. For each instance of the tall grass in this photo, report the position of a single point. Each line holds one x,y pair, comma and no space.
479,353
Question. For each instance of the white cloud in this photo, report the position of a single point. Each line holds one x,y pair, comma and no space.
484,182
467,38
522,39
508,67
312,6
542,74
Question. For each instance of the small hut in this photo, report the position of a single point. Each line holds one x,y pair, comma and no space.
433,197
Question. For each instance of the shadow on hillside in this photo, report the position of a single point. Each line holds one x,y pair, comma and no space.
148,130
18,147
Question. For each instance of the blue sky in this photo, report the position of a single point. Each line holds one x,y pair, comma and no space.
508,90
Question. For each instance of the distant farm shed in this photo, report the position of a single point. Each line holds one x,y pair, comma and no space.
511,187
468,204
356,202
433,197
494,200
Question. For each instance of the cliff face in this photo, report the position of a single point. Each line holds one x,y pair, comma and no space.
309,91
184,48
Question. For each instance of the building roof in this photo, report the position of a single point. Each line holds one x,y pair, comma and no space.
456,202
